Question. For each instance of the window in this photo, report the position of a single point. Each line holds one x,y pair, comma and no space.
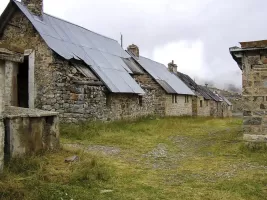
207,103
140,100
201,103
174,98
186,99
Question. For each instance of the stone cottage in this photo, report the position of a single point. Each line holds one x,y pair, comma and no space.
227,106
252,60
176,97
200,102
76,72
216,108
22,130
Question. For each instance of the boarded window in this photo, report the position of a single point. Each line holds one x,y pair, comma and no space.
85,71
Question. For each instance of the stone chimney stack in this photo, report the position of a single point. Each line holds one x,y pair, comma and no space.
134,50
34,6
172,67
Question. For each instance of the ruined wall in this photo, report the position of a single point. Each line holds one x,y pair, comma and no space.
255,95
180,108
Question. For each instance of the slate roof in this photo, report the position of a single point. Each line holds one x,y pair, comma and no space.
193,86
168,81
104,55
226,100
211,94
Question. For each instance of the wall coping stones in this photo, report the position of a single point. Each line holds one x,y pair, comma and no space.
14,112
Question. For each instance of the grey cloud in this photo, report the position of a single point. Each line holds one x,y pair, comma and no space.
154,23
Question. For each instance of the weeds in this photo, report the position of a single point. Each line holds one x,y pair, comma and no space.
205,159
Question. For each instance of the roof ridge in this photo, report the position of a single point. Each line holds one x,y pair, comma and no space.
74,24
153,60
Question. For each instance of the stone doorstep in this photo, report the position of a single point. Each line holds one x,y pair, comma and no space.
14,112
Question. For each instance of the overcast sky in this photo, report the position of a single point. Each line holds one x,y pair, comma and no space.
196,34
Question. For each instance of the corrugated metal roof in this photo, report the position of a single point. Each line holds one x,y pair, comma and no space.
192,84
104,55
226,100
133,66
168,81
210,93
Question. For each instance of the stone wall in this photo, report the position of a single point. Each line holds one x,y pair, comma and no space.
61,87
155,95
180,107
30,131
215,108
20,35
255,95
203,110
2,142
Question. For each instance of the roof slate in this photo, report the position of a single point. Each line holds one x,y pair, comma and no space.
193,85
168,81
103,55
211,94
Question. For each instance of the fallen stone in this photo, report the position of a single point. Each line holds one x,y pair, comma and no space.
72,159
105,191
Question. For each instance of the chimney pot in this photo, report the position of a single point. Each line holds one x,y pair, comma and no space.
172,67
34,6
134,49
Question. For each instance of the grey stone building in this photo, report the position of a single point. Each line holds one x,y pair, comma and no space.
252,60
22,130
78,73
200,102
176,98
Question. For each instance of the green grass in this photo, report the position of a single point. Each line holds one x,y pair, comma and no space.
169,158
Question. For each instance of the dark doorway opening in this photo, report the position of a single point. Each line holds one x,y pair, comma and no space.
23,84
7,146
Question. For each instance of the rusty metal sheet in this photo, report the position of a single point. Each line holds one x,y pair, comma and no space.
104,55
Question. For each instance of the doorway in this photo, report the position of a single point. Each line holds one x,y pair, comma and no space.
23,83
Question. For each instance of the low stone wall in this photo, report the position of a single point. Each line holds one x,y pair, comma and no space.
29,131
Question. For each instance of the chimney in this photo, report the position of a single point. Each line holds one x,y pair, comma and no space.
172,67
134,50
34,6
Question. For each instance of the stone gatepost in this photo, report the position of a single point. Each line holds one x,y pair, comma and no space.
252,60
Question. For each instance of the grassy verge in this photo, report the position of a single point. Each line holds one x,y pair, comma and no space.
170,158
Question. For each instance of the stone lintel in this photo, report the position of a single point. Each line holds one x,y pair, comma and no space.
19,58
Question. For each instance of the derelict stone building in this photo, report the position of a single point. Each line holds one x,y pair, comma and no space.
176,97
81,74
